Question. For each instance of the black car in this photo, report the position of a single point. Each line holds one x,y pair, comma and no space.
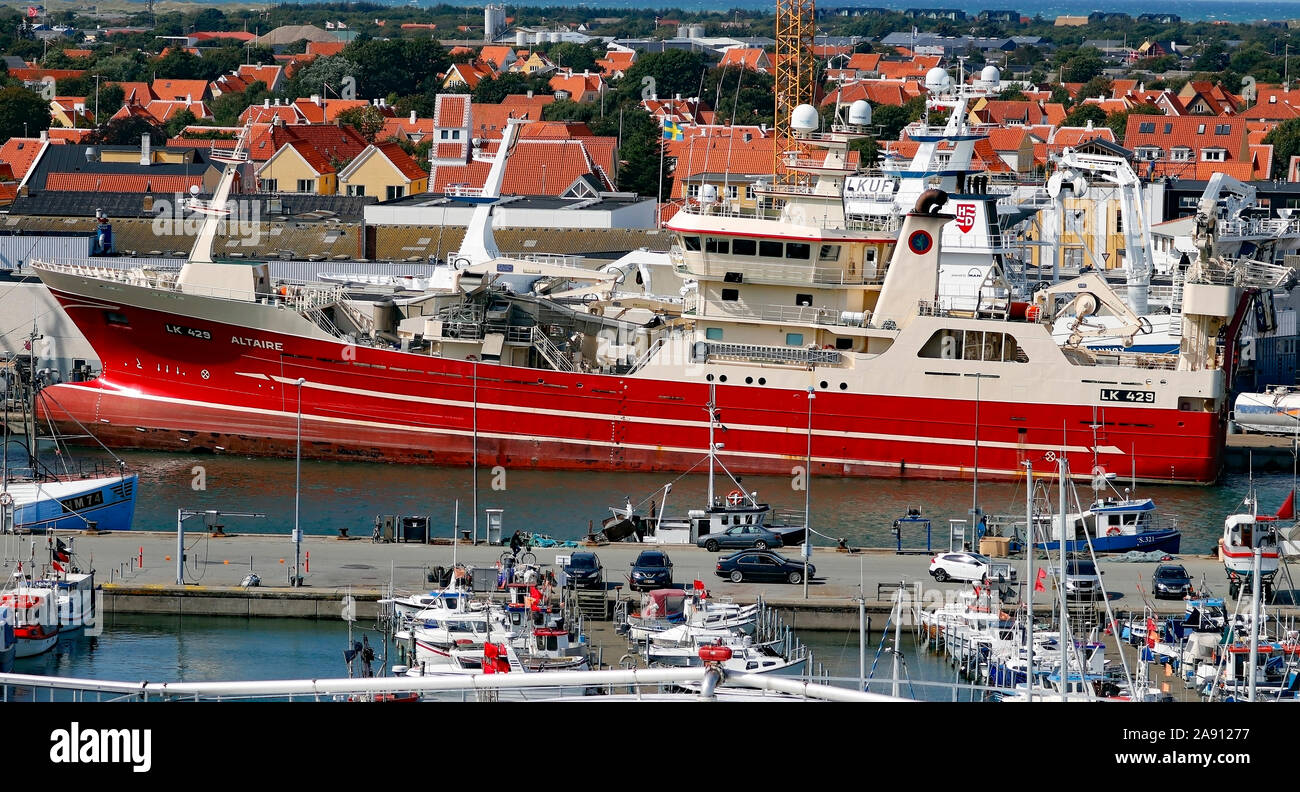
762,565
584,571
1172,581
653,569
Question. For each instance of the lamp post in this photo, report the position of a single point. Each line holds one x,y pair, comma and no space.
297,493
807,497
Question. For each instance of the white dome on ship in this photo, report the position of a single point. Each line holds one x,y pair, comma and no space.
937,80
804,118
991,75
860,113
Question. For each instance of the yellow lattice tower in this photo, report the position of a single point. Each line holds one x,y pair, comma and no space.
795,71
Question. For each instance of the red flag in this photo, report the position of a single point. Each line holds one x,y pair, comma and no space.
33,11
57,566
536,597
1287,512
1038,584
489,658
1151,633
698,585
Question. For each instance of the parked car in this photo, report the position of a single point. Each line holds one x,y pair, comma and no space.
1171,580
653,569
761,565
1082,578
969,567
740,536
584,571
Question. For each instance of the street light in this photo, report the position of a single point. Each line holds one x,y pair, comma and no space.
297,493
807,497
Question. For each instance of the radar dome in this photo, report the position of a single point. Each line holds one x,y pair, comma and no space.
860,113
991,75
937,80
708,194
804,118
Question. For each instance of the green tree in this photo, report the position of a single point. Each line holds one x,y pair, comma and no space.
741,94
401,66
22,111
1083,113
127,131
672,72
1285,139
1010,94
227,107
178,64
1097,86
327,71
111,98
1083,66
365,120
577,57
1061,96
638,156
493,89
1214,56
177,123
890,119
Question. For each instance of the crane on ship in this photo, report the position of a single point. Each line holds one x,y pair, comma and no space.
794,70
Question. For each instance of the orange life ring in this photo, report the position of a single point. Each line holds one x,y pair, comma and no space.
735,497
1112,531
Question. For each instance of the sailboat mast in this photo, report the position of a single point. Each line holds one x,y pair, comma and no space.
710,408
1064,635
1029,577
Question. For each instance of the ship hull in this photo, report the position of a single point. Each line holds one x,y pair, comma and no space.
187,381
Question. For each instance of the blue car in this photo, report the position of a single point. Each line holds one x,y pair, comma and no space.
584,571
653,569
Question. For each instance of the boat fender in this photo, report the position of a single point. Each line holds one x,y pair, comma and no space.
1112,531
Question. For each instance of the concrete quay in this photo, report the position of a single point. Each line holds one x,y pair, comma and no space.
335,568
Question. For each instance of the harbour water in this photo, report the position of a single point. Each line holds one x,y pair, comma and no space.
563,504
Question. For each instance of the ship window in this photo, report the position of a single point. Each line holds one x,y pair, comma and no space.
973,345
794,339
691,243
798,250
743,247
770,249
713,333
730,295
115,318
803,299
844,343
712,245
733,277
829,253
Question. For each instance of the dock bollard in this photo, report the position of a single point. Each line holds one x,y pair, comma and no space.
307,564
142,557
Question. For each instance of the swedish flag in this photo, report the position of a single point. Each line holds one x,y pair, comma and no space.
673,131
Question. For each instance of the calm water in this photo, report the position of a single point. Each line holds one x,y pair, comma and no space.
564,504
137,647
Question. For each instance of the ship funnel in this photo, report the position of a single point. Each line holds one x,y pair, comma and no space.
912,280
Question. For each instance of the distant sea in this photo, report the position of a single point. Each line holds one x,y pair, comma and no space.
1189,10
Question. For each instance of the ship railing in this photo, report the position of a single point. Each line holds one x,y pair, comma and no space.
830,221
553,259
475,331
779,273
795,314
774,354
647,355
991,242
548,350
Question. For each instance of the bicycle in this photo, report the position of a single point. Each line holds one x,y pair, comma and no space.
523,556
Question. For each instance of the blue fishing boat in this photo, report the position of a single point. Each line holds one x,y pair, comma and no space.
1114,525
106,503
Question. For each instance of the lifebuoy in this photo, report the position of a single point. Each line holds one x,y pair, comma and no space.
471,358
1112,531
735,497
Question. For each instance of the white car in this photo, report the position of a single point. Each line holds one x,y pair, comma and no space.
970,567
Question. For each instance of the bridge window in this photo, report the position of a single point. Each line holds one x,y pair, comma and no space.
798,250
691,243
713,333
730,295
770,249
744,247
973,345
803,300
794,339
829,253
712,245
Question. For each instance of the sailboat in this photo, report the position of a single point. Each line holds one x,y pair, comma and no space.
737,508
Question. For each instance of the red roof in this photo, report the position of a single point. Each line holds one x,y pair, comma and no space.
36,75
487,121
451,111
864,61
120,182
403,127
180,89
20,154
616,62
324,48
1024,113
577,85
498,56
878,92
270,75
535,167
314,159
402,161
264,114
746,57
77,53
207,35
717,154
139,92
328,109
1196,133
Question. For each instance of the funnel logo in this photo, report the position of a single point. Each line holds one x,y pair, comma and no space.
920,243
965,217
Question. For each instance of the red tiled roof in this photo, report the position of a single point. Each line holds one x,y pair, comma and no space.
1279,110
616,61
164,110
270,75
535,167
449,151
577,85
314,159
402,161
864,61
77,53
324,48
139,92
58,135
716,155
395,128
488,121
1025,113
1073,137
1007,138
8,192
20,154
878,92
36,75
451,110
207,35
497,56
747,58
469,74
120,182
179,89
262,114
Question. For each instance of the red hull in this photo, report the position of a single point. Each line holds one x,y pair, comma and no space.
164,391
